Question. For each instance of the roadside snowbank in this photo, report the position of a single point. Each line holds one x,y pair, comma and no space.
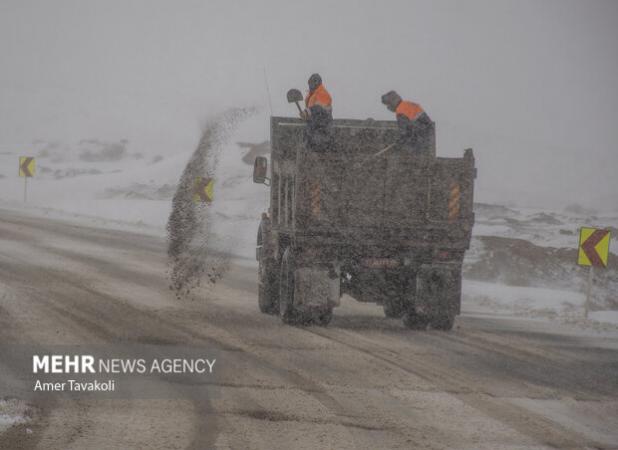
604,316
539,303
522,299
13,412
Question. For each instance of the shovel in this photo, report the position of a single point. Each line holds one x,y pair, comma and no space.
385,149
360,164
294,96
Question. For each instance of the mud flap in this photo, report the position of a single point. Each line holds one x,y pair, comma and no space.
315,289
438,290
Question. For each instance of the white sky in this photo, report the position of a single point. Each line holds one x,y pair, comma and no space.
531,85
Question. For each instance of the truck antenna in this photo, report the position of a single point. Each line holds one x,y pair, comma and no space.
270,103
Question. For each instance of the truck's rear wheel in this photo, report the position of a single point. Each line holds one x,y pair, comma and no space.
415,321
287,311
443,322
438,295
268,291
394,307
324,317
398,293
268,273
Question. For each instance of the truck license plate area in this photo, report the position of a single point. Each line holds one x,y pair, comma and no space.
380,263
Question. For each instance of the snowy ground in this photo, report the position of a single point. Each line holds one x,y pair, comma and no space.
105,183
13,412
535,303
558,229
521,260
494,382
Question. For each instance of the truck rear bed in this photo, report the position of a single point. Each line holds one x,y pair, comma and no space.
397,198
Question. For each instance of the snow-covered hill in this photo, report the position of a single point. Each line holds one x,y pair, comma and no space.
524,261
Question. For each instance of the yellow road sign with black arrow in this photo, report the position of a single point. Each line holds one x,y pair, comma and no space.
203,191
27,166
593,247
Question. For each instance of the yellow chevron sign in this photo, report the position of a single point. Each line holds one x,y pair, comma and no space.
203,190
27,166
593,247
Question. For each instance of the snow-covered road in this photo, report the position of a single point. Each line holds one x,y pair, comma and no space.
494,382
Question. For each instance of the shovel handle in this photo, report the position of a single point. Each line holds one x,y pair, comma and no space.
383,150
375,155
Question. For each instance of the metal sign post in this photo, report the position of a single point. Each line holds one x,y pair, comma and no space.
588,292
27,169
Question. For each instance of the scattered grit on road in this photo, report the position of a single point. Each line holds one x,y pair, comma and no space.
364,382
188,225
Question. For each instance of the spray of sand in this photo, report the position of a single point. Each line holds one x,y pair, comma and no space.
189,224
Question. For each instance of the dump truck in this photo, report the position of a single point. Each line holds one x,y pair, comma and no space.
363,216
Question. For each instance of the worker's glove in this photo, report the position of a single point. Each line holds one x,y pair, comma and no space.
304,115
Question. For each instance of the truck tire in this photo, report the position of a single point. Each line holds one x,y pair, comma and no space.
415,321
442,286
324,318
398,293
443,322
447,289
287,311
451,297
394,307
268,291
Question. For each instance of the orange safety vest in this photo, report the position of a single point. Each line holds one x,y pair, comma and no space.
409,109
319,97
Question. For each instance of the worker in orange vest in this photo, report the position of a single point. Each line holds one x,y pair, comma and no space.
318,101
413,121
318,114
